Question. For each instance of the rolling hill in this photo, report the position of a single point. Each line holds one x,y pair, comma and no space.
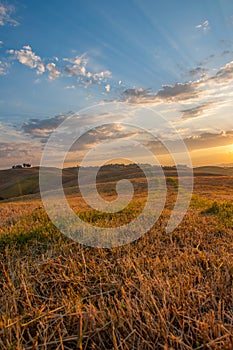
23,182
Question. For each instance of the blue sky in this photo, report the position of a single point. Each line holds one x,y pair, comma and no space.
57,57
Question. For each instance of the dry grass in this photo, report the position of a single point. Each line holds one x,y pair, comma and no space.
164,291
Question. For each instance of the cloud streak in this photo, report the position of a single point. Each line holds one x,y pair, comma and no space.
42,128
224,75
187,92
194,142
197,71
6,12
209,140
197,111
169,93
35,132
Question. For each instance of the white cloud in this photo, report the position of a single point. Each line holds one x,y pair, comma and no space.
107,87
1,43
74,67
75,70
4,68
27,57
5,15
102,75
54,73
203,26
70,87
40,68
78,67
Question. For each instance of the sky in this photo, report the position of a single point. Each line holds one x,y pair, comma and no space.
174,58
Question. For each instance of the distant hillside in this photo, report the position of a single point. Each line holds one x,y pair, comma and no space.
214,170
21,182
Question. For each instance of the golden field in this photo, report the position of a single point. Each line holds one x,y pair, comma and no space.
163,291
